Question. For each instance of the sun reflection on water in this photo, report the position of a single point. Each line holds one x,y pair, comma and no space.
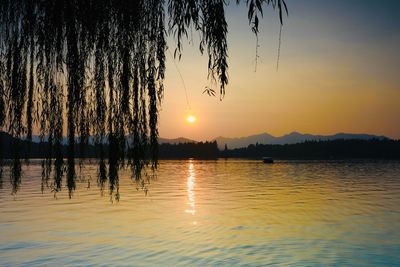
190,191
210,213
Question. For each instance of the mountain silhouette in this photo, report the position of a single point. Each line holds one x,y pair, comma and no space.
291,138
264,138
292,146
179,140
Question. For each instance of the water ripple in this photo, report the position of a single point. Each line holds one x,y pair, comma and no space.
210,213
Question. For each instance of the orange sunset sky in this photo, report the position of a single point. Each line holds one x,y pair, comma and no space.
338,72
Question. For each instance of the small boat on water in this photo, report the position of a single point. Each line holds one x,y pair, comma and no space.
268,160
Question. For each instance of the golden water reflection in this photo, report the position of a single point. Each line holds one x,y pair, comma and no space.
191,201
210,213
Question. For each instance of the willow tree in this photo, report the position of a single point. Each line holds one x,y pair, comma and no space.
96,68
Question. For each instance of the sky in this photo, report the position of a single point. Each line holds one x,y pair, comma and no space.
338,72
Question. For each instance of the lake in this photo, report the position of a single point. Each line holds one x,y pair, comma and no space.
209,213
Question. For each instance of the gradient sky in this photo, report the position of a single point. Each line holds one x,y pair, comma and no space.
338,72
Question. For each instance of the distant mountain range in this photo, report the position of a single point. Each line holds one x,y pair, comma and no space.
291,138
179,140
264,138
290,146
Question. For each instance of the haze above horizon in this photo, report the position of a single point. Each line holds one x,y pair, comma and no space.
337,73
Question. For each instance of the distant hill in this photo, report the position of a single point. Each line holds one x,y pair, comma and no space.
179,140
338,149
178,148
27,149
291,138
264,138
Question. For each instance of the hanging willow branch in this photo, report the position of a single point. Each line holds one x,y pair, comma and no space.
96,68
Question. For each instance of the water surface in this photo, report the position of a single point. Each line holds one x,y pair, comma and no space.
202,213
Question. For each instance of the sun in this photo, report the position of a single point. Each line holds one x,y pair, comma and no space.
191,119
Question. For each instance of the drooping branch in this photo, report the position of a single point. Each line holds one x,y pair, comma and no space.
96,68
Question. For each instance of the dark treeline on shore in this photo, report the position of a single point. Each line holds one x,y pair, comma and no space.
334,149
200,150
11,147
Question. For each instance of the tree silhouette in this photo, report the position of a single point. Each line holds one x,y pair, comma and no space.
96,68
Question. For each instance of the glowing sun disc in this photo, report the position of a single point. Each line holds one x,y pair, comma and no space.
191,119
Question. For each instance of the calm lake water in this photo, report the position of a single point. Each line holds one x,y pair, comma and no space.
202,213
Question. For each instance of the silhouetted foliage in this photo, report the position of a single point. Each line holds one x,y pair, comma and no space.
334,149
325,150
96,67
200,150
